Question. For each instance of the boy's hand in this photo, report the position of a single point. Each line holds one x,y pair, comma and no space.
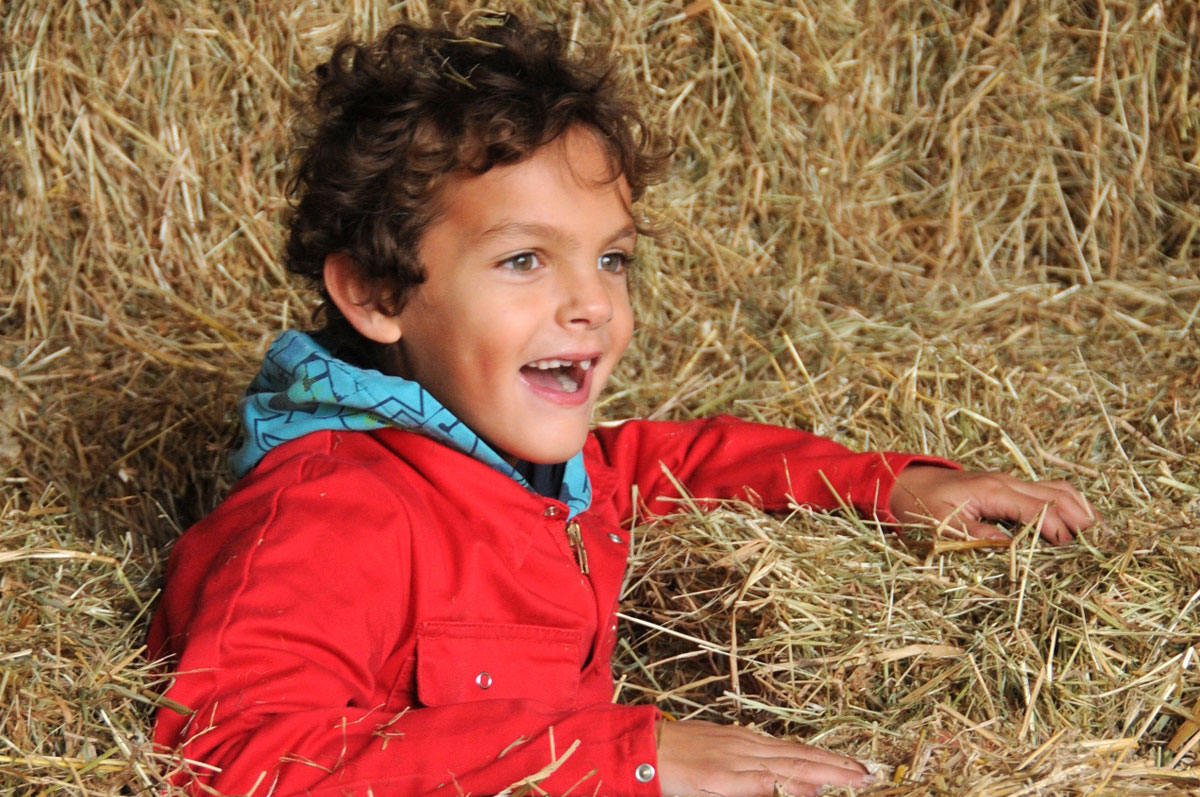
696,757
966,500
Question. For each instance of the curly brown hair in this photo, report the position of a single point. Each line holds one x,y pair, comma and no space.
387,122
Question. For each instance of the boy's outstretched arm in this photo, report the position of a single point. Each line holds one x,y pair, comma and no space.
778,468
967,500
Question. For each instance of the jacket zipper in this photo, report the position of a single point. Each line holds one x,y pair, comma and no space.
575,540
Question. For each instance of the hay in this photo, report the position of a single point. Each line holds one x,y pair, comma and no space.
966,228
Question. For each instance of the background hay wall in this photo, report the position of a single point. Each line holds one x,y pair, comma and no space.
968,228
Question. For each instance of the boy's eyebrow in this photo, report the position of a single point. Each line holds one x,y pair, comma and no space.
534,229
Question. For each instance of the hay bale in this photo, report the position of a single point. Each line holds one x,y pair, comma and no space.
965,228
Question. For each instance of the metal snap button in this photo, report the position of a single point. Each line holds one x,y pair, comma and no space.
483,680
612,535
551,511
644,773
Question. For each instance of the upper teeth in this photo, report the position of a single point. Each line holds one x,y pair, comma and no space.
545,365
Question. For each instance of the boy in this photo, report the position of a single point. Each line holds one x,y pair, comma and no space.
413,587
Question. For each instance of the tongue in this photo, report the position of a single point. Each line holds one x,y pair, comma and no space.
553,378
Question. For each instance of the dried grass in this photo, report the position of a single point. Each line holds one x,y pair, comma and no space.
967,228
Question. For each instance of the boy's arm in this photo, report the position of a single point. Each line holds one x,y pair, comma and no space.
282,608
724,457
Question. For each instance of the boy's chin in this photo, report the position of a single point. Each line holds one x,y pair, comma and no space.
543,452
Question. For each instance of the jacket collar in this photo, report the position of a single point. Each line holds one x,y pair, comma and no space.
303,388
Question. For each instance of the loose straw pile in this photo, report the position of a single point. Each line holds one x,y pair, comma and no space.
964,228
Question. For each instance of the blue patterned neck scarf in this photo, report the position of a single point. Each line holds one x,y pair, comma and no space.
302,388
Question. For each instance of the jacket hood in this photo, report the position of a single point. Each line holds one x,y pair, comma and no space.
302,388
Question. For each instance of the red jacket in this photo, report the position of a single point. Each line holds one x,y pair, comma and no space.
376,611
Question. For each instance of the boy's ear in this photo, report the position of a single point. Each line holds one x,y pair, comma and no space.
355,296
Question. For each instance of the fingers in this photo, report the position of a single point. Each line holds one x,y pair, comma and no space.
985,531
1069,511
758,744
802,757
790,771
757,784
1066,512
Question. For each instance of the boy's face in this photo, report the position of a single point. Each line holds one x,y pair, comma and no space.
525,309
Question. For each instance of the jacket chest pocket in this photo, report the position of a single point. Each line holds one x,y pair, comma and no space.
465,662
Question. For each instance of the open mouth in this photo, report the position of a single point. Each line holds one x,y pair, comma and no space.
567,376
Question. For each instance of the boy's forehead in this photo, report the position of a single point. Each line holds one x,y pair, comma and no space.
526,197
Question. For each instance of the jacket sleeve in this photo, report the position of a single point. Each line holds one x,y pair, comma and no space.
770,466
281,608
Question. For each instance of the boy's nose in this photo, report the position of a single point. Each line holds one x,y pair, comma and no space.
587,299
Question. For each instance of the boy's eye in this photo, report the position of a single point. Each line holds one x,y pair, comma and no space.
525,261
615,262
